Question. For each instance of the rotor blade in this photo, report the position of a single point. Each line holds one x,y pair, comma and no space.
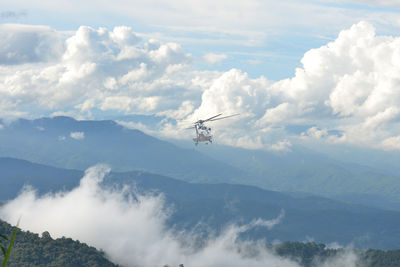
224,117
212,117
189,128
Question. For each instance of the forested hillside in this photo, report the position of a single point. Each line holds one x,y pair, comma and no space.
31,250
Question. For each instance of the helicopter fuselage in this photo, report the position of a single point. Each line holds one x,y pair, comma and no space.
202,133
203,138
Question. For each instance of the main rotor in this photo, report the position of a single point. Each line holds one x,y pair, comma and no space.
214,118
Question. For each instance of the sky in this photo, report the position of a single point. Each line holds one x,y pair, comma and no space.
298,72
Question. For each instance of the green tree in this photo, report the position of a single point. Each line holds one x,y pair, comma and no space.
7,252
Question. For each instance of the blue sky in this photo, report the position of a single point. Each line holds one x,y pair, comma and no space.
261,37
329,67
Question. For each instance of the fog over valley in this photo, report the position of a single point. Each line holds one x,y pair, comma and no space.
132,230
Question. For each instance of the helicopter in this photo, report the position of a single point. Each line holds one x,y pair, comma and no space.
203,132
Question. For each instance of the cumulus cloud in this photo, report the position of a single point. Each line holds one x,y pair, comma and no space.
234,92
92,69
77,135
183,111
21,44
131,228
212,58
349,86
391,143
283,145
315,132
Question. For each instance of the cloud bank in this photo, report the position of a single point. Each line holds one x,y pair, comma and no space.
380,4
106,70
21,44
345,92
132,229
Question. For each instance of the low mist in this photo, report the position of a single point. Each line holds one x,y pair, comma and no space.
131,228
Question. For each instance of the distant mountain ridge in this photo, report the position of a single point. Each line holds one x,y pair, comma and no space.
51,141
216,205
303,170
67,143
16,173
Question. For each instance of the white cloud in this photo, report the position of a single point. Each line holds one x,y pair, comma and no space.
381,3
348,86
391,143
254,61
108,70
129,104
244,141
184,110
234,92
77,135
131,229
316,133
246,23
213,58
283,146
21,44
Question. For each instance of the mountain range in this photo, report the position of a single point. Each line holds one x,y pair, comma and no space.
218,205
68,143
